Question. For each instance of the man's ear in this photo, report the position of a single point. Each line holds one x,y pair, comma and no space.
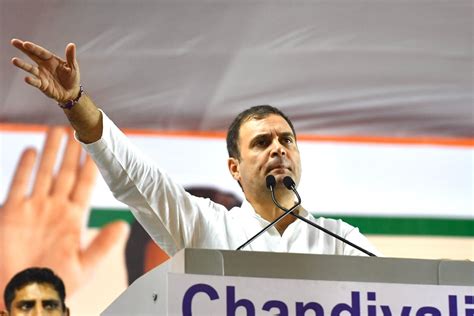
233,165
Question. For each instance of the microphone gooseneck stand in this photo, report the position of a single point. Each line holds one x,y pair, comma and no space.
290,185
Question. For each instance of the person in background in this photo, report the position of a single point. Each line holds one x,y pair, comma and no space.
35,291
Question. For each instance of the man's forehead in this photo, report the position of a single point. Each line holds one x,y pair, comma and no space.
35,291
273,122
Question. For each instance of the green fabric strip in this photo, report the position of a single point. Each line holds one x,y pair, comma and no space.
367,225
412,226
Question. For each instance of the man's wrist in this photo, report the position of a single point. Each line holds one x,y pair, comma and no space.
69,104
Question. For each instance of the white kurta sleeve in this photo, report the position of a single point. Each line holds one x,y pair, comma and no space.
167,212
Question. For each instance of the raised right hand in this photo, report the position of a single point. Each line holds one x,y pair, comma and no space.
55,77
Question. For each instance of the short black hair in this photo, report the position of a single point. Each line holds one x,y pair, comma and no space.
257,112
33,275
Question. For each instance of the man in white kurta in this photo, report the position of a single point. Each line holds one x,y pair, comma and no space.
176,219
261,142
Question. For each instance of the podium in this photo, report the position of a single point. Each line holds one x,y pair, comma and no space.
224,282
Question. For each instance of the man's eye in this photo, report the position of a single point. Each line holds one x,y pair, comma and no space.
27,306
261,143
50,305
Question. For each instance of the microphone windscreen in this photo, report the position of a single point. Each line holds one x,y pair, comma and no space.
270,181
288,182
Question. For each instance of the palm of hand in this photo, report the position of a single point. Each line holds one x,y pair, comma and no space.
45,228
38,235
57,79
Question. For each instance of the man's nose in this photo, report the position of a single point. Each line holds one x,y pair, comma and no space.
39,311
277,148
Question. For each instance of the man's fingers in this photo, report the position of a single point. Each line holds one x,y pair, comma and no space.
17,43
71,55
22,177
69,169
113,234
44,176
25,66
35,82
35,52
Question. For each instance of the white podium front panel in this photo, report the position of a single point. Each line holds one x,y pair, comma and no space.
272,283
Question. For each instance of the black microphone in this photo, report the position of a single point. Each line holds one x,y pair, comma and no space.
290,185
271,182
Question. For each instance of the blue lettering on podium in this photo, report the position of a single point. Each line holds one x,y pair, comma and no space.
277,307
193,290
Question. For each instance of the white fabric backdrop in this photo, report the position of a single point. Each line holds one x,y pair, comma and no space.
359,67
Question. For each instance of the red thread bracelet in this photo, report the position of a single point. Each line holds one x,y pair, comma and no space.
69,104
